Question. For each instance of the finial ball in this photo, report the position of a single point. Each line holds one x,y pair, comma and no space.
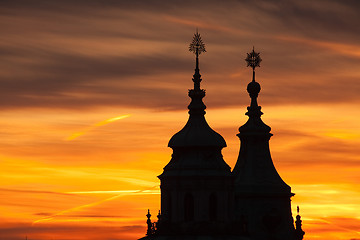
253,88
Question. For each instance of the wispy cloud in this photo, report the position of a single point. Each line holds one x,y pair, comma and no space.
347,50
119,194
32,191
99,124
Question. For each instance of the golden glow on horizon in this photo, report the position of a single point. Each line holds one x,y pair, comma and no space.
90,191
342,135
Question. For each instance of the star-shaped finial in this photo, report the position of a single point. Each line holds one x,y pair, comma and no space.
253,59
197,46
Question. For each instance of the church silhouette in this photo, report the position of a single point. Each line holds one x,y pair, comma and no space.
202,199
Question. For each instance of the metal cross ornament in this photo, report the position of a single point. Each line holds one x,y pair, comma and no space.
253,59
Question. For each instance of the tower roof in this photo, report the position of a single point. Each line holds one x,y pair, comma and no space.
197,132
254,171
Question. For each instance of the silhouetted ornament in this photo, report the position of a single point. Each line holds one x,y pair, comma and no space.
253,59
197,46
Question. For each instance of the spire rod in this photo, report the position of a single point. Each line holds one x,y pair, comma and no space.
197,106
197,46
253,60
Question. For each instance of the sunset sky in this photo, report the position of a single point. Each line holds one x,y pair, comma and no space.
92,91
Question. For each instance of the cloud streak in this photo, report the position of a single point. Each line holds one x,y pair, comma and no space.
119,194
99,124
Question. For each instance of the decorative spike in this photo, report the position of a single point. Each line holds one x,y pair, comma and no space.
197,46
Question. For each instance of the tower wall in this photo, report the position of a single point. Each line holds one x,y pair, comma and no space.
262,198
266,217
174,191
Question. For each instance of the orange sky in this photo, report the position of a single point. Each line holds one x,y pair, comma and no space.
90,94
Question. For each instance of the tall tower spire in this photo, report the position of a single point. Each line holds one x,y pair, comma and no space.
257,183
196,183
196,94
254,165
197,47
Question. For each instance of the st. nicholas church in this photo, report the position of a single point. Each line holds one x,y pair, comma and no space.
202,199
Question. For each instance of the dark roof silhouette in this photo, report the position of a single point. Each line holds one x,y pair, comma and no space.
197,132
